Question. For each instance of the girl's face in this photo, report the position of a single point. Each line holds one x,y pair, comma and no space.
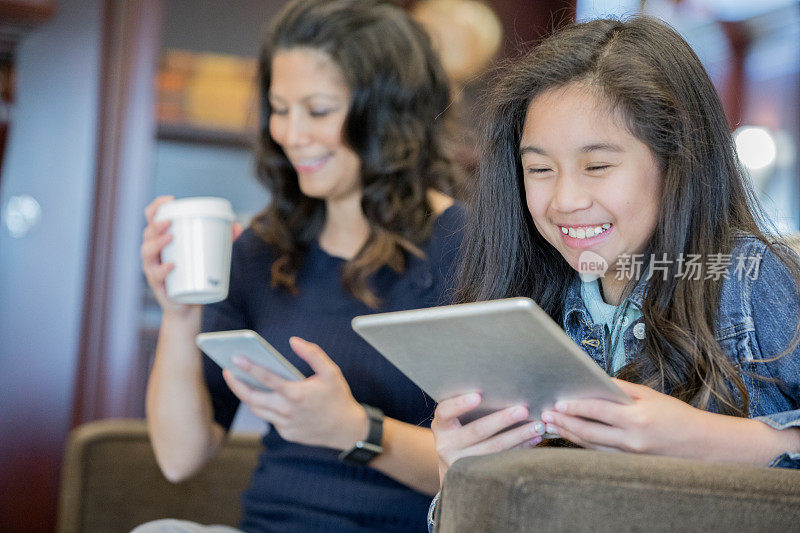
309,101
590,185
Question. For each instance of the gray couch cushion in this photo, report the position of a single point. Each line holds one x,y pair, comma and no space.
551,489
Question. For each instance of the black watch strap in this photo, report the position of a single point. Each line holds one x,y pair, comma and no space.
375,417
363,451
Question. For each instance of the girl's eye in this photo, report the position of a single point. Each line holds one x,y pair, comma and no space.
597,168
538,171
278,111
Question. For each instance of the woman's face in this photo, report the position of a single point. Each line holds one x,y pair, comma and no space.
309,101
590,185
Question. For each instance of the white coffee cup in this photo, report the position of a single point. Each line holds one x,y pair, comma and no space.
200,248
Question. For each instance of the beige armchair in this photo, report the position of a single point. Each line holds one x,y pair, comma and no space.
110,481
558,489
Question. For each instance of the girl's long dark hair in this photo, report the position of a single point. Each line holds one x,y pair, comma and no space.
398,124
651,76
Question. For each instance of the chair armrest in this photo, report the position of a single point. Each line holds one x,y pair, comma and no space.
552,489
110,480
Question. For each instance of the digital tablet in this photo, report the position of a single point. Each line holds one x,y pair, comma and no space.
508,350
222,346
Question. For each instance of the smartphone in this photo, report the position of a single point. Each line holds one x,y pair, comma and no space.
222,346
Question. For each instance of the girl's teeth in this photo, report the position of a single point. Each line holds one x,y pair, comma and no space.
585,233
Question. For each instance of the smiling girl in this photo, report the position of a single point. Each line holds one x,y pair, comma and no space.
609,138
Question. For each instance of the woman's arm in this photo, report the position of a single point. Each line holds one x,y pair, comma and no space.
409,455
179,413
321,411
178,406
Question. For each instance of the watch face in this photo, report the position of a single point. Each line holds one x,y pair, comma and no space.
362,453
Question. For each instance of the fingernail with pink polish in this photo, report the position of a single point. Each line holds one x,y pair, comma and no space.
473,398
519,413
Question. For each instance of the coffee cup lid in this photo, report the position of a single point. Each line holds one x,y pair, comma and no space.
200,206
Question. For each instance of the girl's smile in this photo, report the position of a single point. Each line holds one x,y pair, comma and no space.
582,237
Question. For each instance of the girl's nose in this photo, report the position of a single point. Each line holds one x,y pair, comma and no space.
569,195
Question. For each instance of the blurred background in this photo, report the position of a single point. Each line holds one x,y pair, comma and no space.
105,104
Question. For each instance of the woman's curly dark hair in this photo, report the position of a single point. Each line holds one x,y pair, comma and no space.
397,123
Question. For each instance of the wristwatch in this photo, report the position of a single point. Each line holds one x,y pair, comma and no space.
364,451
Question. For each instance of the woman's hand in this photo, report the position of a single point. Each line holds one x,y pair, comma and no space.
486,435
654,423
317,411
154,239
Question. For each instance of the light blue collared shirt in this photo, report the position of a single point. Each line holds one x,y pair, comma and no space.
612,317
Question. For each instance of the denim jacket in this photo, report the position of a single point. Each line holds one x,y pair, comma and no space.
757,319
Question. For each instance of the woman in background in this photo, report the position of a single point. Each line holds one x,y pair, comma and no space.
353,150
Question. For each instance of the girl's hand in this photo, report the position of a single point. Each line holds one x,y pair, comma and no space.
486,435
317,411
154,239
654,423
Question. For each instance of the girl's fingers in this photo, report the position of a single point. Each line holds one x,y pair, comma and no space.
587,433
486,427
583,443
527,434
528,444
448,411
633,390
610,413
576,439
